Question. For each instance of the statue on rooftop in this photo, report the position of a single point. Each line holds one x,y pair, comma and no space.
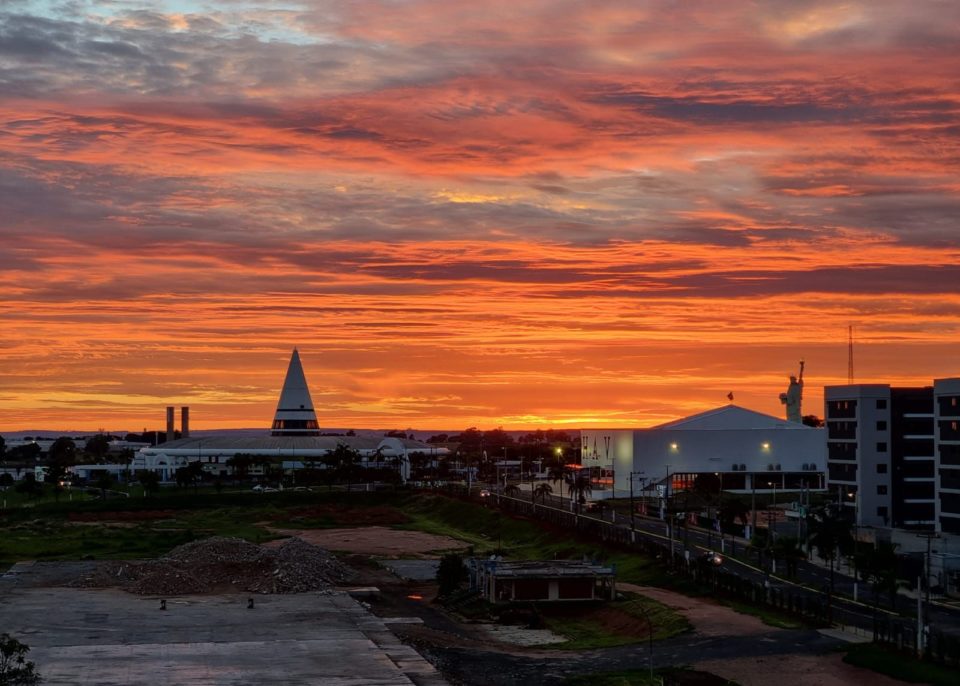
794,397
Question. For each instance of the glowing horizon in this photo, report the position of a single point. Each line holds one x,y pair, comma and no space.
525,214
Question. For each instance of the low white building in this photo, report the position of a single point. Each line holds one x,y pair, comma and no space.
294,452
748,450
295,441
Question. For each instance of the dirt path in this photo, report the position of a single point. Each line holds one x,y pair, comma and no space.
711,619
708,618
375,540
796,670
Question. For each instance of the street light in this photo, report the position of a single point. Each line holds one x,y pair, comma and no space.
562,472
855,496
632,507
506,468
771,526
666,514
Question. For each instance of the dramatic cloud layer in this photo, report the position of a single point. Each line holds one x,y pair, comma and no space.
524,213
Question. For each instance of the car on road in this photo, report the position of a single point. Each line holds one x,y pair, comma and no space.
484,493
711,557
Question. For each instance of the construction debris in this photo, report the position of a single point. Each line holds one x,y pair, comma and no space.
216,563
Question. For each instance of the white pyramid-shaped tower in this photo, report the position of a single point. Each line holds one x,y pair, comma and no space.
295,415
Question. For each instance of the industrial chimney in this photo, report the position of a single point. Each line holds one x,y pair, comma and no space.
184,422
170,423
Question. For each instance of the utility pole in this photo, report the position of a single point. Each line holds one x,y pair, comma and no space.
921,626
856,543
667,515
633,508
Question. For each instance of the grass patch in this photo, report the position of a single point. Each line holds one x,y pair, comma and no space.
53,538
57,541
897,665
332,515
488,530
143,527
621,622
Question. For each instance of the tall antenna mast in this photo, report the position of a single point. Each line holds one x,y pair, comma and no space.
850,355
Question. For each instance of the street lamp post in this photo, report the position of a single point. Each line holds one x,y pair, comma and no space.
562,472
719,510
633,508
771,526
855,495
506,467
666,514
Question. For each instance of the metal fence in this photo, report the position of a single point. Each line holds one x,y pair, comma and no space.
810,606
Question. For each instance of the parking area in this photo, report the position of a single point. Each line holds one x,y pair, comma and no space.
108,637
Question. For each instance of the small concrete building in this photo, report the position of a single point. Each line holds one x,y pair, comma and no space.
541,581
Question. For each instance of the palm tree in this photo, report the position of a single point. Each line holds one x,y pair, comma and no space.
512,491
829,534
558,474
343,459
240,464
541,491
787,548
732,509
878,565
580,488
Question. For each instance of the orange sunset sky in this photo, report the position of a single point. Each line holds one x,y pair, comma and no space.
525,213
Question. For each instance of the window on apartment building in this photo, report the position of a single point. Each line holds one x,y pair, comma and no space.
881,426
882,404
882,511
881,447
881,469
881,490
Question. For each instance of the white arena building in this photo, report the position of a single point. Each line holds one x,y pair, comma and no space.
748,450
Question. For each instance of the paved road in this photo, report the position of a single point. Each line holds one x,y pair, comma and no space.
471,666
811,580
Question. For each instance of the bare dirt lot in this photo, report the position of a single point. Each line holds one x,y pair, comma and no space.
707,618
790,656
375,540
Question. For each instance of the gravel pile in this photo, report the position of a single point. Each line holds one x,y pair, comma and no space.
219,563
300,567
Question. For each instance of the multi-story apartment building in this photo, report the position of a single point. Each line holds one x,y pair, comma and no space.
893,454
880,454
946,394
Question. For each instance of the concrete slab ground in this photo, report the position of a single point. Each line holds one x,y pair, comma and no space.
413,570
108,637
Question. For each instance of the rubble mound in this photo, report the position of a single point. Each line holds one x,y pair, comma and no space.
216,563
216,549
299,567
